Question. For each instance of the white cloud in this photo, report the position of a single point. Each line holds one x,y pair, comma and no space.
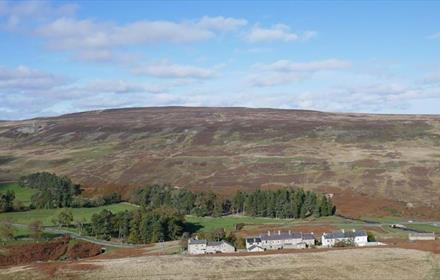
99,41
16,12
221,23
432,78
285,65
26,92
23,78
165,69
434,36
278,32
121,86
286,71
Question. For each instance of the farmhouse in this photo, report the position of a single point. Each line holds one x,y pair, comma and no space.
413,236
200,247
355,237
279,240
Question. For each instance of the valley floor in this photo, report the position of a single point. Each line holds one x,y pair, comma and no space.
368,263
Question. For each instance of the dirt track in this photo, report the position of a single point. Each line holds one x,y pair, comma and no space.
373,263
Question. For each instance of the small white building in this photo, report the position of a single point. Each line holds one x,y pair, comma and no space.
196,247
255,248
355,237
413,236
200,247
280,240
213,247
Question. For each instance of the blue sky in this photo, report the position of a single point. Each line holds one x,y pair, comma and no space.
60,57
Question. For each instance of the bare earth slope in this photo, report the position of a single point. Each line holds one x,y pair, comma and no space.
396,157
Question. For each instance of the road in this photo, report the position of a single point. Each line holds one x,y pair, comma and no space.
90,239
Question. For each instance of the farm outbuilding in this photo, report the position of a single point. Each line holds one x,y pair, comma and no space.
413,236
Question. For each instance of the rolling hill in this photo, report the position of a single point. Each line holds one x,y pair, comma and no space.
387,164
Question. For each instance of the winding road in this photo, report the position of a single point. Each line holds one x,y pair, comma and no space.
90,239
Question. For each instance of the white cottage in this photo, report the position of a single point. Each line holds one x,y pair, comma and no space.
279,240
356,237
196,247
200,247
213,247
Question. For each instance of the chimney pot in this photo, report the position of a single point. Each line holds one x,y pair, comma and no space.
290,232
279,232
268,232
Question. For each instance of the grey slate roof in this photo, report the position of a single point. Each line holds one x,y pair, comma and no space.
197,241
286,235
308,236
253,240
346,234
214,243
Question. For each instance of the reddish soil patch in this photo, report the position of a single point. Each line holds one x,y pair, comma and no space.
352,204
23,254
48,251
83,250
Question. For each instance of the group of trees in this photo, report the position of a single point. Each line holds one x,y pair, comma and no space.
59,191
7,201
111,198
282,203
52,191
138,226
184,201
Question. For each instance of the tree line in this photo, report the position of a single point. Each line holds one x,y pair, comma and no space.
138,226
7,201
281,203
60,192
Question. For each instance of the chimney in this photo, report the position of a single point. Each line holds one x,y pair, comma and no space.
312,233
279,232
343,230
354,230
268,233
290,232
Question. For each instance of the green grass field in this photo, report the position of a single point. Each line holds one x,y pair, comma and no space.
207,224
21,194
46,215
424,227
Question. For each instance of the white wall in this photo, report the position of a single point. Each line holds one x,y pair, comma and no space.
196,249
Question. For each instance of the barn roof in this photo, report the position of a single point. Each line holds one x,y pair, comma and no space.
344,234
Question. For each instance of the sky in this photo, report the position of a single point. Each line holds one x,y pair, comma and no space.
59,57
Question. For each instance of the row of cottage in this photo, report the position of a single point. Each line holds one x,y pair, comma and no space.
279,240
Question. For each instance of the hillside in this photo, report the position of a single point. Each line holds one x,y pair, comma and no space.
374,162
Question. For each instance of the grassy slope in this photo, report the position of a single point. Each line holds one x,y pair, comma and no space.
229,222
45,215
21,194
